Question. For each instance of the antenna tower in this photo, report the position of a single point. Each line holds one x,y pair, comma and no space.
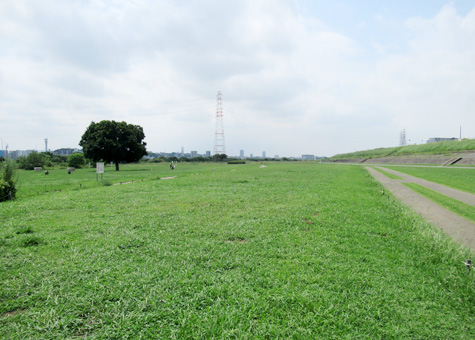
219,147
46,144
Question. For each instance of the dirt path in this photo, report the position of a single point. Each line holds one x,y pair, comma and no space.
457,227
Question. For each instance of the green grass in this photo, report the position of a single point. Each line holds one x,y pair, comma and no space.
33,183
460,208
387,174
230,251
461,179
438,148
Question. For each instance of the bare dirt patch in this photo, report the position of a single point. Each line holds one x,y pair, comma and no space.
12,313
123,183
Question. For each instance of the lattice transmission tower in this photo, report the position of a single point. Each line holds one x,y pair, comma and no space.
219,146
402,138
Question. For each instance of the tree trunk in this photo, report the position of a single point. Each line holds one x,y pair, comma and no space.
116,166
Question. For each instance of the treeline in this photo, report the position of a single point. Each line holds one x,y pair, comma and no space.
48,159
77,160
215,158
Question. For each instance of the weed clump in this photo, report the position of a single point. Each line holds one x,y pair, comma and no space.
32,241
25,230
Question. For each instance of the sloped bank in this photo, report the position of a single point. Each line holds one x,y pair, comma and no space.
458,158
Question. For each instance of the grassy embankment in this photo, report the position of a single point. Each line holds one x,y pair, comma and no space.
439,148
287,251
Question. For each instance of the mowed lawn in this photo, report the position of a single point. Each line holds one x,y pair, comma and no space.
290,250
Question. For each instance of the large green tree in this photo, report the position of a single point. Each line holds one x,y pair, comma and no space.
115,142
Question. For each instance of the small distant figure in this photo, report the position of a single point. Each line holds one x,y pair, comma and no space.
46,172
69,172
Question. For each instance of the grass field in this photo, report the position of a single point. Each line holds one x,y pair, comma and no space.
33,183
277,252
461,179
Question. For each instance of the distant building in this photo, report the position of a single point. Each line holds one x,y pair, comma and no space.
19,153
241,153
263,154
194,154
65,151
251,155
208,153
308,157
439,139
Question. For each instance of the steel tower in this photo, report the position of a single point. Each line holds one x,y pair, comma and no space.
219,146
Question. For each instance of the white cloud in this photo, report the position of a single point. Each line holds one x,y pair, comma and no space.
291,85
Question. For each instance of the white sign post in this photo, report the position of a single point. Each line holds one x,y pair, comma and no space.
99,170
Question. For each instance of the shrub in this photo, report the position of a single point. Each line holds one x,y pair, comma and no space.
76,160
31,161
7,181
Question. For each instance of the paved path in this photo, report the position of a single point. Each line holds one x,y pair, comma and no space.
459,228
444,190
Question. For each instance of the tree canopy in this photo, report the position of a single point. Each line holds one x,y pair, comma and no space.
221,157
115,142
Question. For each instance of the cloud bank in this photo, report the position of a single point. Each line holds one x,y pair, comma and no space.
291,84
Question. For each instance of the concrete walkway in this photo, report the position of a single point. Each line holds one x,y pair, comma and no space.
444,190
457,227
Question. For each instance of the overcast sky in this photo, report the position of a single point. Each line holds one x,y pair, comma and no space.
297,76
